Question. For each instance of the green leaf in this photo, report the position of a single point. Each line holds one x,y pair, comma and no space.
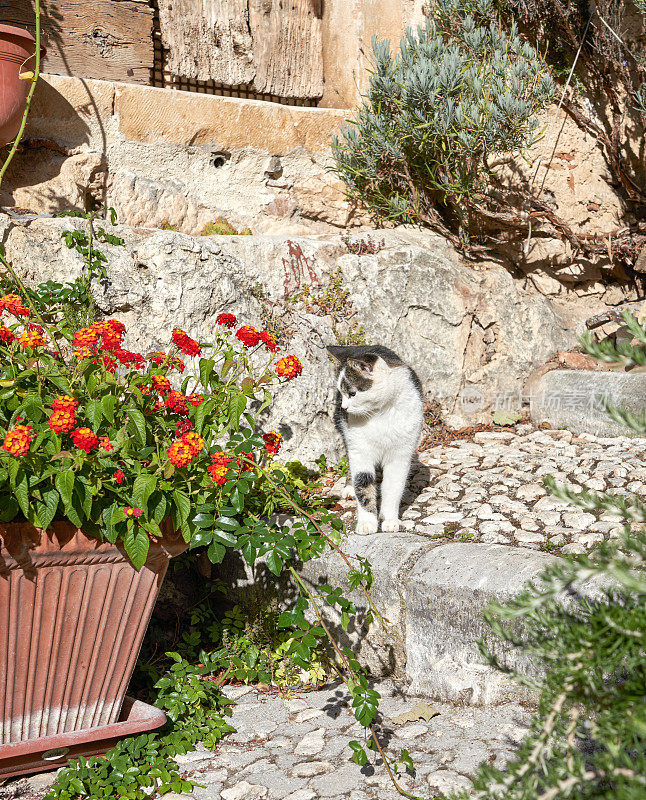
275,562
108,403
201,413
183,505
227,523
406,760
206,369
201,538
64,482
50,502
139,423
21,493
143,487
94,413
216,552
136,542
237,405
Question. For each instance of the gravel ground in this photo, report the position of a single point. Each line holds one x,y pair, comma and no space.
490,489
296,748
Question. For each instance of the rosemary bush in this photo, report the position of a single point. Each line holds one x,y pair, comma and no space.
460,89
588,738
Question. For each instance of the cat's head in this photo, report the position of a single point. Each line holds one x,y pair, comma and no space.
369,377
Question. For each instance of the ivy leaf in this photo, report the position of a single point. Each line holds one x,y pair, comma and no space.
358,753
406,760
64,482
201,538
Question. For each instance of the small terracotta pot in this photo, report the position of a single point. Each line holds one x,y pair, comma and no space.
73,613
17,49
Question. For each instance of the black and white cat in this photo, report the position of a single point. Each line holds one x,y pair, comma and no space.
379,412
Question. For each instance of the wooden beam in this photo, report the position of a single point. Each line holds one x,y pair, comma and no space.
208,40
106,39
287,47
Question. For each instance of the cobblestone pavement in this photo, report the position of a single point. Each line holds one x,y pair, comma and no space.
296,748
490,489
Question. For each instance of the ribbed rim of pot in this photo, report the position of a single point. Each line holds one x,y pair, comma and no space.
12,30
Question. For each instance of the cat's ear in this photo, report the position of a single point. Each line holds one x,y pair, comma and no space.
337,352
361,366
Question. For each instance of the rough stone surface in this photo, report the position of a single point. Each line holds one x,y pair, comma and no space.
445,752
576,400
433,579
413,295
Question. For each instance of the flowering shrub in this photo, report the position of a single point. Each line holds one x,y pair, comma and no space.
95,433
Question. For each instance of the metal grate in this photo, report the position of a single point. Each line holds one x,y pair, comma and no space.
162,78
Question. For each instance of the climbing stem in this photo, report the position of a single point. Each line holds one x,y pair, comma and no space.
30,94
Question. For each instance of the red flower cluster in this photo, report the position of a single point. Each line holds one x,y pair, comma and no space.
18,440
161,384
228,320
245,466
106,336
14,305
194,441
6,335
85,337
119,476
273,440
184,342
106,444
288,367
183,427
85,439
63,419
176,402
219,467
195,399
32,339
269,340
248,335
180,454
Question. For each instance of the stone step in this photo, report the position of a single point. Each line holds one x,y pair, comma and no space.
575,399
433,597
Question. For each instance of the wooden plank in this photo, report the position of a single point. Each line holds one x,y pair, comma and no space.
287,47
106,39
208,40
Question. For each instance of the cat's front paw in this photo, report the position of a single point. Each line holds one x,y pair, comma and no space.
367,526
390,525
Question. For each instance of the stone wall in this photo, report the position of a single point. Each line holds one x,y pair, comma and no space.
472,334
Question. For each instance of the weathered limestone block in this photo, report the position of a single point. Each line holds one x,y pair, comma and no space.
576,400
460,327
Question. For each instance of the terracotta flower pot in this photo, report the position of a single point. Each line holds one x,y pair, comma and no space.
16,47
73,613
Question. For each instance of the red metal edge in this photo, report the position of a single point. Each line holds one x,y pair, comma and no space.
22,758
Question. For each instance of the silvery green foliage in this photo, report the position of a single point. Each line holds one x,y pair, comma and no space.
459,89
